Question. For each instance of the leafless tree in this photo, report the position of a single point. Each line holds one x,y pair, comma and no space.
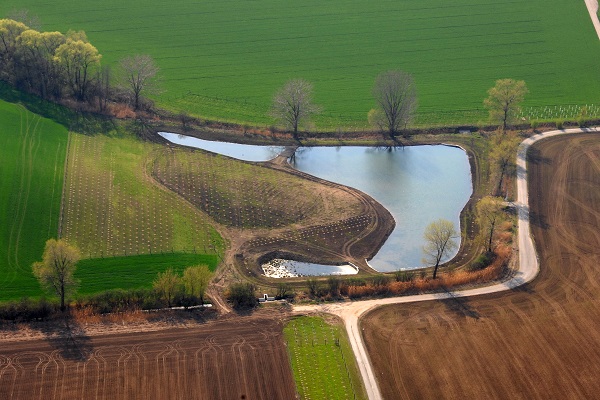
23,15
396,95
439,237
292,104
138,75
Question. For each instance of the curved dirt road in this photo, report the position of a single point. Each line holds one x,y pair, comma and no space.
528,269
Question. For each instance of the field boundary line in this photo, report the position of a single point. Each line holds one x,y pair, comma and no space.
592,6
350,312
64,188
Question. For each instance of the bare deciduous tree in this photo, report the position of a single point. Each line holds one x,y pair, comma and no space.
440,243
55,271
23,15
504,99
396,95
138,75
292,104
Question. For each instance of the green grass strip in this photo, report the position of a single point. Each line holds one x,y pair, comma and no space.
32,156
100,274
322,360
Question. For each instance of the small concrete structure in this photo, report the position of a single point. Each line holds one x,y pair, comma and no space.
265,298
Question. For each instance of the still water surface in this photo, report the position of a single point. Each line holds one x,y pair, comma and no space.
417,184
234,150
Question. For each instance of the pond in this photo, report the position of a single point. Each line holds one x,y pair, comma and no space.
280,268
238,151
417,184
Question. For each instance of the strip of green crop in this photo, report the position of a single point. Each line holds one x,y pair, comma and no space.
32,156
322,360
225,59
99,274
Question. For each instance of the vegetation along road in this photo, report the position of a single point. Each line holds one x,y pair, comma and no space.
528,270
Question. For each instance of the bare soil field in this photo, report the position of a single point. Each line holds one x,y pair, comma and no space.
237,358
541,341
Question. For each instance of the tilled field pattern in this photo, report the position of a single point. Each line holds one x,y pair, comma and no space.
541,341
243,358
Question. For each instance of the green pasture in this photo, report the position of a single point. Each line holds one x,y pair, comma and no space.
322,361
225,59
113,206
99,274
32,157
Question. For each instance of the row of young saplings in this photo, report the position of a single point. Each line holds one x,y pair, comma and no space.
109,234
241,203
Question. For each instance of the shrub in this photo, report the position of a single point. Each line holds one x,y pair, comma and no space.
283,290
482,261
333,283
381,280
313,287
27,310
404,276
559,124
241,295
534,124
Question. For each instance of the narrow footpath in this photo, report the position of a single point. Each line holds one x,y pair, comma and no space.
350,312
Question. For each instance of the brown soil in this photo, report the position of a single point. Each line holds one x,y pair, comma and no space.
541,341
238,358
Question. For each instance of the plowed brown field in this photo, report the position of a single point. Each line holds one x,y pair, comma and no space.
541,341
242,358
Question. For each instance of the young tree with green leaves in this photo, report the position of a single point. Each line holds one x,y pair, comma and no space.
195,281
503,159
167,284
489,214
504,101
55,271
78,60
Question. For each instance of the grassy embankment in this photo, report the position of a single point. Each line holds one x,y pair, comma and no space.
322,360
227,66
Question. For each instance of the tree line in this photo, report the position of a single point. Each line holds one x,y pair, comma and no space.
61,67
395,96
56,274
